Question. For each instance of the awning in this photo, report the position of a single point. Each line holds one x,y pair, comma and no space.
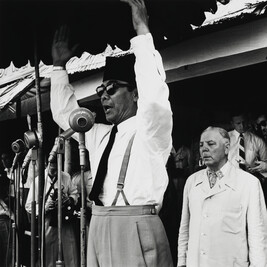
14,90
26,24
232,47
18,81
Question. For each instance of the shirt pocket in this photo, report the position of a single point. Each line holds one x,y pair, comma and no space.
232,220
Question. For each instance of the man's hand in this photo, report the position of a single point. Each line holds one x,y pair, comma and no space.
139,16
61,52
261,166
50,205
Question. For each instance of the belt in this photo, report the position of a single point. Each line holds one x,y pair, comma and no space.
133,210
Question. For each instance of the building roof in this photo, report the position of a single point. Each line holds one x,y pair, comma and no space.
88,62
27,26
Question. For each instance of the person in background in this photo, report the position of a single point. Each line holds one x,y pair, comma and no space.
255,149
260,129
6,220
6,159
224,217
261,126
22,222
125,228
169,213
69,199
183,165
76,180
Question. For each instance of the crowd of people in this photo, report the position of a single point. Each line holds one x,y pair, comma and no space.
147,202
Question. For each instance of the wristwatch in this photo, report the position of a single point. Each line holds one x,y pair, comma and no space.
58,68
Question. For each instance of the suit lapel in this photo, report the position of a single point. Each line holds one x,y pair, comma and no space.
205,186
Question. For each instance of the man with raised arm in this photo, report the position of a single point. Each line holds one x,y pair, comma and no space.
127,158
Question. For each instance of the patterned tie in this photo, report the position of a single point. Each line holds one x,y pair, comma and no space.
212,178
102,169
242,158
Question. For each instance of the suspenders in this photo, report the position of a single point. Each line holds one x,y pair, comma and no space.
122,175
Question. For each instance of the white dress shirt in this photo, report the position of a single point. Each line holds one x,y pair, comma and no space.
223,226
255,148
68,188
146,178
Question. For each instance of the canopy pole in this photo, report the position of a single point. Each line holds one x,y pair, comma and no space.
41,166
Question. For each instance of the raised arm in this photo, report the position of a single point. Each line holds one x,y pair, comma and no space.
139,16
63,100
154,111
61,50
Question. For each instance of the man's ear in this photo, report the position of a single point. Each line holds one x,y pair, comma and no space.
135,95
227,147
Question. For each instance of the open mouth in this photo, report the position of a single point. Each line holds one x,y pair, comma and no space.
107,108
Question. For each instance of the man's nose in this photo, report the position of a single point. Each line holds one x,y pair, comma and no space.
104,96
204,149
242,125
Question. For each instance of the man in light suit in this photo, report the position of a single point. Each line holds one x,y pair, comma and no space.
224,217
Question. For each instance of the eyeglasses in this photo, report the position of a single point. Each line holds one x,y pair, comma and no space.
111,88
262,123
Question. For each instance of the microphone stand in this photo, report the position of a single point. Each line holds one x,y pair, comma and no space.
18,147
13,191
81,120
60,152
17,217
82,152
33,209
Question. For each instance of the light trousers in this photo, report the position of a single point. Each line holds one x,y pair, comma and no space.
131,236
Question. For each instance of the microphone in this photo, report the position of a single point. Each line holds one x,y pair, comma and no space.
65,135
18,147
80,120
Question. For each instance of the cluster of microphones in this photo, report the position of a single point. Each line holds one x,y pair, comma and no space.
81,120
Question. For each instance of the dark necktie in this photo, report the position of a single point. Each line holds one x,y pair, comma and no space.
102,169
242,158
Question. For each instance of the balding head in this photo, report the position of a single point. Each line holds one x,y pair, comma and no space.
214,147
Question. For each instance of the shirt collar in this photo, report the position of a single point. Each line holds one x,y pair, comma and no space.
127,125
218,173
237,134
224,173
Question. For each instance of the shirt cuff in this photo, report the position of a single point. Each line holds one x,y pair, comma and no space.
58,68
144,39
59,76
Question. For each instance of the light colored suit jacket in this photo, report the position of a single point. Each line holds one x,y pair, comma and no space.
224,226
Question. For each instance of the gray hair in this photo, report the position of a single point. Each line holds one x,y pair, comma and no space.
222,132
